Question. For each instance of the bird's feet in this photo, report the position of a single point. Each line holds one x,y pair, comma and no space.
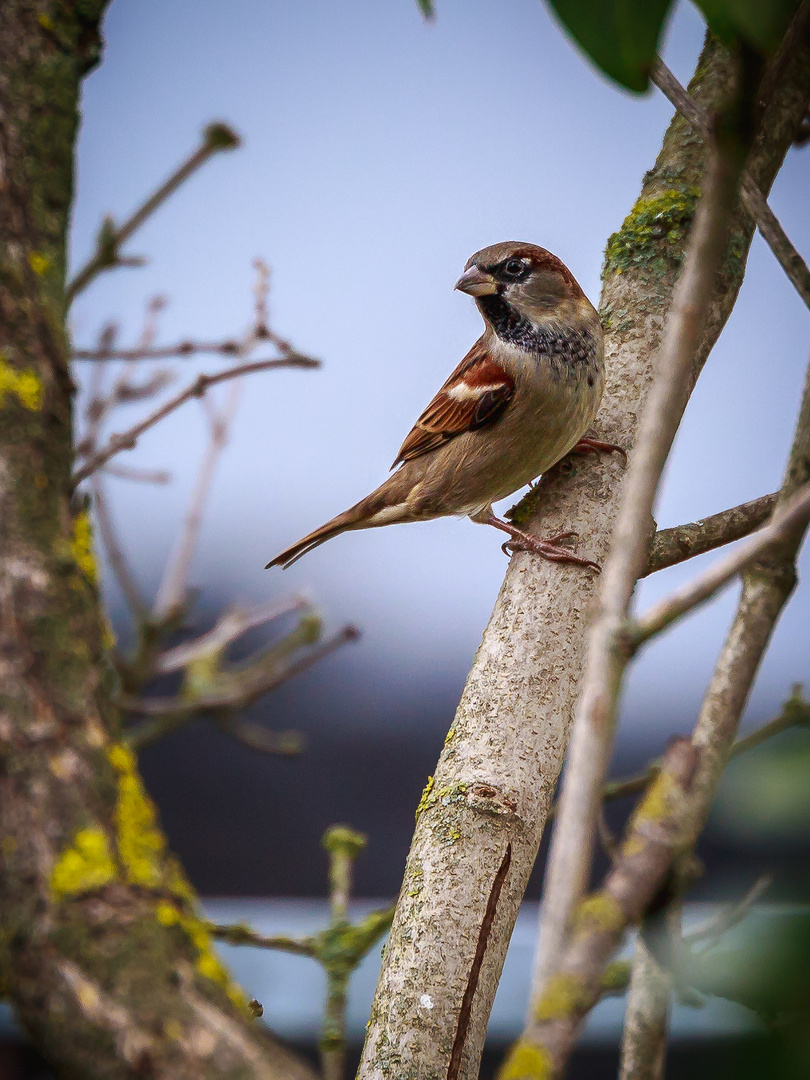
551,549
589,445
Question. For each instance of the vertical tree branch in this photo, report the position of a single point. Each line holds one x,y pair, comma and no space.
105,957
496,775
171,592
766,589
634,882
571,850
646,1018
343,845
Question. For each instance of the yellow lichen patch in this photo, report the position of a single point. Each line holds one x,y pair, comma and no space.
81,545
39,263
659,802
563,995
451,734
526,1062
207,962
45,21
86,866
108,638
600,911
633,845
653,231
167,914
424,802
173,1029
176,881
140,843
24,385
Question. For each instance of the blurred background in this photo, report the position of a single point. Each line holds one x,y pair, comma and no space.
379,153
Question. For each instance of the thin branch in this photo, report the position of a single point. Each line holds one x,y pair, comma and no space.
588,755
343,845
752,198
260,738
171,592
183,348
795,513
784,54
636,878
672,546
229,627
234,689
713,929
646,1018
126,440
115,552
795,713
159,477
242,934
765,592
111,238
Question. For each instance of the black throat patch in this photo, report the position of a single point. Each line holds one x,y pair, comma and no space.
571,345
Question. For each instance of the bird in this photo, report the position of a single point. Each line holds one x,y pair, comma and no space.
522,398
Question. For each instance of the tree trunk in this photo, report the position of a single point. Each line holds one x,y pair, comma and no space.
481,818
101,949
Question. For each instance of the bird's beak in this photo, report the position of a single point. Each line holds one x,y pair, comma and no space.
477,282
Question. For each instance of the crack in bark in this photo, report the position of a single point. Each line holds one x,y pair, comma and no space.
472,980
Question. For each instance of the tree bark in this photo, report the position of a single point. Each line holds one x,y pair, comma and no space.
481,817
102,951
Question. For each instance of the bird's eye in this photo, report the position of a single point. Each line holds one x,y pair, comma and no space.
514,267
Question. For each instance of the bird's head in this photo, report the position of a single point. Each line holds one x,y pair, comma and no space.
528,278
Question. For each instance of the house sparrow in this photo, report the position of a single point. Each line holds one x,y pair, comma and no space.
519,401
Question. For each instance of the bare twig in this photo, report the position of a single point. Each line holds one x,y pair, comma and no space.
229,627
171,592
676,545
260,738
793,513
183,348
343,845
795,713
126,440
754,201
646,1018
111,238
235,688
588,754
242,934
140,476
713,929
115,553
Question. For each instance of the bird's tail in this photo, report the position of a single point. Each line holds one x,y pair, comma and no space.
314,539
384,506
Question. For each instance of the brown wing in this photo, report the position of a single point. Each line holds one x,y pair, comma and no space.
475,394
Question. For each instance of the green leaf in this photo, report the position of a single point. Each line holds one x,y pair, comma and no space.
760,23
620,36
426,7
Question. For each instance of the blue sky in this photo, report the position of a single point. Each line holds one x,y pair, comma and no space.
379,153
